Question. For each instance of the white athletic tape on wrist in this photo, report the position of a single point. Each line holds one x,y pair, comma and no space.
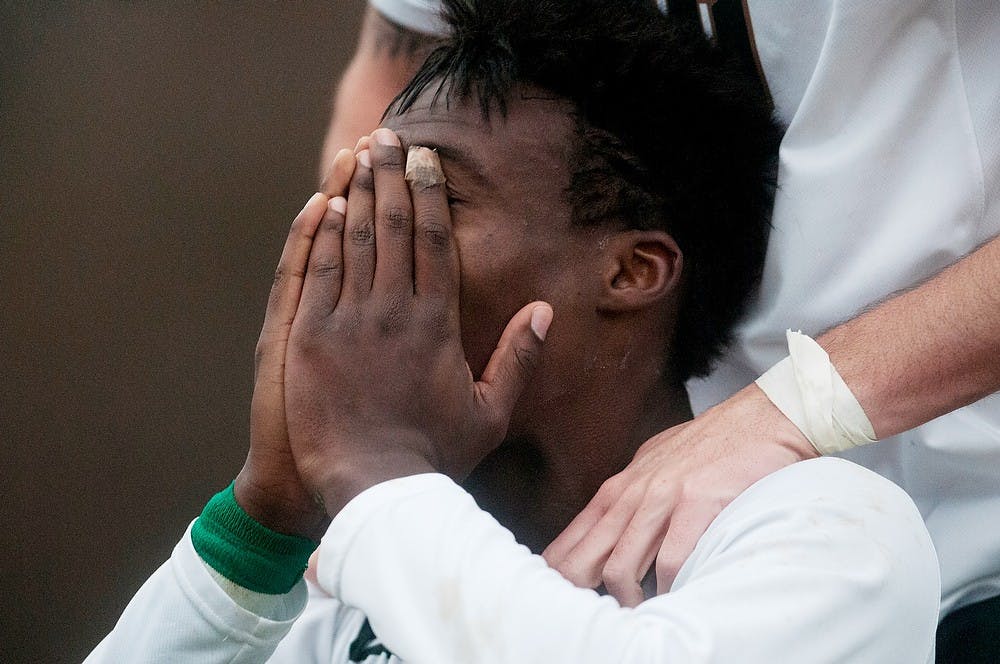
806,387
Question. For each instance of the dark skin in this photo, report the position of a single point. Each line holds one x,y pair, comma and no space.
436,378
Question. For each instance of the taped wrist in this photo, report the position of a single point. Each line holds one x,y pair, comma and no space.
247,553
806,387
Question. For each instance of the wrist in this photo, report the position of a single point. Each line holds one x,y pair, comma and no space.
249,554
809,391
349,477
290,511
780,429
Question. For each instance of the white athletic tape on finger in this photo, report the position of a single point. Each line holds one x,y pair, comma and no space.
806,387
423,168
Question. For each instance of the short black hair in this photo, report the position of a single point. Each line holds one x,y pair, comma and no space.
670,134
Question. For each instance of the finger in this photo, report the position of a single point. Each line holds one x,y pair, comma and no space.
393,216
363,144
321,289
558,549
515,359
688,523
435,256
338,178
359,231
584,564
628,563
284,299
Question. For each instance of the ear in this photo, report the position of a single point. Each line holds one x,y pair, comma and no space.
642,269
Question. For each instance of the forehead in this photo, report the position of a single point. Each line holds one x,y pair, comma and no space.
533,138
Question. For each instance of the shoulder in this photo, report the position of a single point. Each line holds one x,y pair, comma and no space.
833,551
822,499
827,515
827,483
841,526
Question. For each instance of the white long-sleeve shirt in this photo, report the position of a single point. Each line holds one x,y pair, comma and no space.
823,561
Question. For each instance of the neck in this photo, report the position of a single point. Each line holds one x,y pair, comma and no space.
543,475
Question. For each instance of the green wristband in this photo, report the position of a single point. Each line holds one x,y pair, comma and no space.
245,552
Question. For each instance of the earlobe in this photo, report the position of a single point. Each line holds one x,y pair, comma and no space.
643,268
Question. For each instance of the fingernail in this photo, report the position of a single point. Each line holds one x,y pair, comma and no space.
338,204
423,168
541,318
385,136
362,144
313,199
364,158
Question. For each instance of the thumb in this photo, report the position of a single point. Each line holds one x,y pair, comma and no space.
515,359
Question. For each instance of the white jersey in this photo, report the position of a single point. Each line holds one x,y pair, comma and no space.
823,561
889,172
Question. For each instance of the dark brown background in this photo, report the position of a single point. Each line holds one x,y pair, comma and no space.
151,157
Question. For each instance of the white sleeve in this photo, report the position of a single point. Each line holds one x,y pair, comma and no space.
182,614
820,562
418,15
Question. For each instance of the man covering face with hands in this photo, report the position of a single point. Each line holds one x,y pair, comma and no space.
558,224
383,281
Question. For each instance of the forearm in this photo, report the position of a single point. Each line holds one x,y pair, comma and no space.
441,580
230,592
183,613
386,58
927,351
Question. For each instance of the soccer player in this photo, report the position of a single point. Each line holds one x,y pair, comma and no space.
605,182
885,247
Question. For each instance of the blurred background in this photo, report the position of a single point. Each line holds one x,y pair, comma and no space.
152,156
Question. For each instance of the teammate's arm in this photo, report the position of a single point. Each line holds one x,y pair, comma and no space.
916,356
386,58
927,351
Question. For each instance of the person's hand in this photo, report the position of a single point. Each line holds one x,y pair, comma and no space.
268,487
377,384
665,499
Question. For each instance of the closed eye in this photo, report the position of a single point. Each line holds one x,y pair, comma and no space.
453,198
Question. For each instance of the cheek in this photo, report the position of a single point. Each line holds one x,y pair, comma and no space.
488,301
496,282
502,274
